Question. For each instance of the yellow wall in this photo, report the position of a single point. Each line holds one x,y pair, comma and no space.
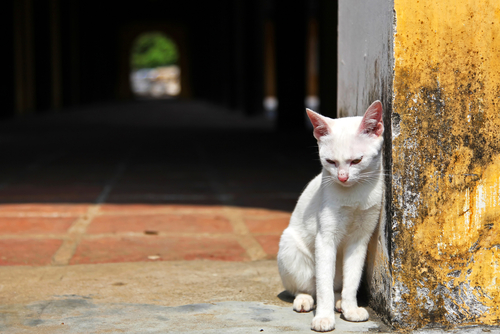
446,162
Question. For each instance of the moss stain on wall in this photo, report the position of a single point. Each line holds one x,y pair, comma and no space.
446,163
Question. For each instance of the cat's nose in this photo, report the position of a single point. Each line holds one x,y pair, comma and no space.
343,176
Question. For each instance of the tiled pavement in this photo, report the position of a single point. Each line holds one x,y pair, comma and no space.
147,181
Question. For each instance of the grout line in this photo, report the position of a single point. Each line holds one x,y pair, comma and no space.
149,212
103,196
161,234
69,236
197,212
233,214
38,215
245,238
77,230
75,233
60,236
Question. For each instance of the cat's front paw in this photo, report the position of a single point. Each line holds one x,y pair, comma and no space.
303,303
356,314
323,324
338,306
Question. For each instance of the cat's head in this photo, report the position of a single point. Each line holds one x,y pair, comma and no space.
350,147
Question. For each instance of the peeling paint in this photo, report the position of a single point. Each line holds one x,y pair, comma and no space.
446,163
423,293
460,302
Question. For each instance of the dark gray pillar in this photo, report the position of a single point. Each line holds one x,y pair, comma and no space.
254,53
70,41
247,44
328,22
237,89
42,55
8,93
291,26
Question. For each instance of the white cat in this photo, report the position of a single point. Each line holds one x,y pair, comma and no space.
324,247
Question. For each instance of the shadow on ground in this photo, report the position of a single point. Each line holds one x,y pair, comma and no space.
153,152
100,207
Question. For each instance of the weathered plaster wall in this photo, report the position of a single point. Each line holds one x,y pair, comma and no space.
365,74
435,64
446,163
365,44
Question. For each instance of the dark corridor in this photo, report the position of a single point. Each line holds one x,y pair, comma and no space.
145,181
233,53
90,175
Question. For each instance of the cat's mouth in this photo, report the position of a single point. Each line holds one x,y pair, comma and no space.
347,183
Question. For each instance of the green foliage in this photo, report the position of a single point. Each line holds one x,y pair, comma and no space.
153,49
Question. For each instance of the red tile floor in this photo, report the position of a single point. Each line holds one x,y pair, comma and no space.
148,181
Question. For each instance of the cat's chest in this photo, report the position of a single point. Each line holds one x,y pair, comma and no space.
352,200
350,220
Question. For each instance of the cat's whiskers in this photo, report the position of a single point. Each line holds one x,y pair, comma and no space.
326,181
369,178
369,182
376,172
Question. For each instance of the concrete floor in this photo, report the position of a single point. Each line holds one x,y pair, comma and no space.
197,296
171,296
149,217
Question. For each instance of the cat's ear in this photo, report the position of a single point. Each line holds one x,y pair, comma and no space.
320,127
372,123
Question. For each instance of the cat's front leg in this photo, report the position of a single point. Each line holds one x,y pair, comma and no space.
354,258
325,255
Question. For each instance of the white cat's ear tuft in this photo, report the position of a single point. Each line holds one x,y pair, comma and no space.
319,123
372,123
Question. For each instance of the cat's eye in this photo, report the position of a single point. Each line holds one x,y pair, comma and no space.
356,161
331,162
